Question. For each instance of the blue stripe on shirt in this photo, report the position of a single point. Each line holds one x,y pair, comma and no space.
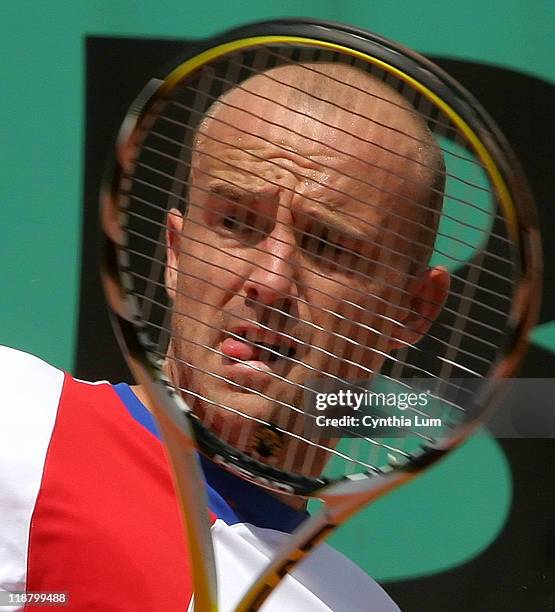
230,498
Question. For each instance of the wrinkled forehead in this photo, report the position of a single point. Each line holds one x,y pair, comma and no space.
358,130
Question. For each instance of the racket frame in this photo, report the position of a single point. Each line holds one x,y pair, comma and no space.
181,429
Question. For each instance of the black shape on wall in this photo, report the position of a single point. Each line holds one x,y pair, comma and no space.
117,70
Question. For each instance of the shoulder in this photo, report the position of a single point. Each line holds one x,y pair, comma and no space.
40,403
16,365
344,585
43,411
30,391
325,580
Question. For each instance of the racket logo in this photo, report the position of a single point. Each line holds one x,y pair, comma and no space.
255,478
268,442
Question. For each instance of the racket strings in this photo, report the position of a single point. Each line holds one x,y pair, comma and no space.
411,409
454,239
389,171
162,263
489,327
416,100
304,440
368,162
481,286
328,375
304,388
438,339
161,243
414,369
451,351
287,432
355,463
262,326
339,359
308,234
293,408
358,219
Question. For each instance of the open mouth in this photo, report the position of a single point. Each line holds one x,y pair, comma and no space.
257,345
265,351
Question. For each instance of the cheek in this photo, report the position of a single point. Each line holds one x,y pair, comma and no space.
207,273
342,303
357,314
342,309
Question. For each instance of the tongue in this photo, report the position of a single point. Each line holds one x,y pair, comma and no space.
239,350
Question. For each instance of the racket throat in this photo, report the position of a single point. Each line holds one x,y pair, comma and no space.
314,531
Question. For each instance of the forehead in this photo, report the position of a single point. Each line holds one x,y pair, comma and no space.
368,142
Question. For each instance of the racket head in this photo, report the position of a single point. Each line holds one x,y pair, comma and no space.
476,157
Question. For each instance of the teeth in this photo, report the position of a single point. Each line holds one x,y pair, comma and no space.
271,352
275,351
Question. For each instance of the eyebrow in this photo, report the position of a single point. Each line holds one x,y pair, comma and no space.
328,215
235,193
322,211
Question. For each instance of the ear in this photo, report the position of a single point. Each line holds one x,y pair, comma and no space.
427,296
174,227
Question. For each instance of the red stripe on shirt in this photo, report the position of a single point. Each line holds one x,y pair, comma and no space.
106,526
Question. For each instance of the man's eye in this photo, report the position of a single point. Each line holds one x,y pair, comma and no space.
230,223
247,226
322,246
326,252
235,223
331,249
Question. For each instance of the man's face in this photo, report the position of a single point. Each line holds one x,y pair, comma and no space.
293,257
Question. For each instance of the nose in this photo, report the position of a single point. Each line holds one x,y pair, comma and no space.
271,281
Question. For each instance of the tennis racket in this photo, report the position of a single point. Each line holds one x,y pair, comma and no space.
322,259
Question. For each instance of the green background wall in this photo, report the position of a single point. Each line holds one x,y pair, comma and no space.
42,138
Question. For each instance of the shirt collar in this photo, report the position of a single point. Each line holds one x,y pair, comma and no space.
230,498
